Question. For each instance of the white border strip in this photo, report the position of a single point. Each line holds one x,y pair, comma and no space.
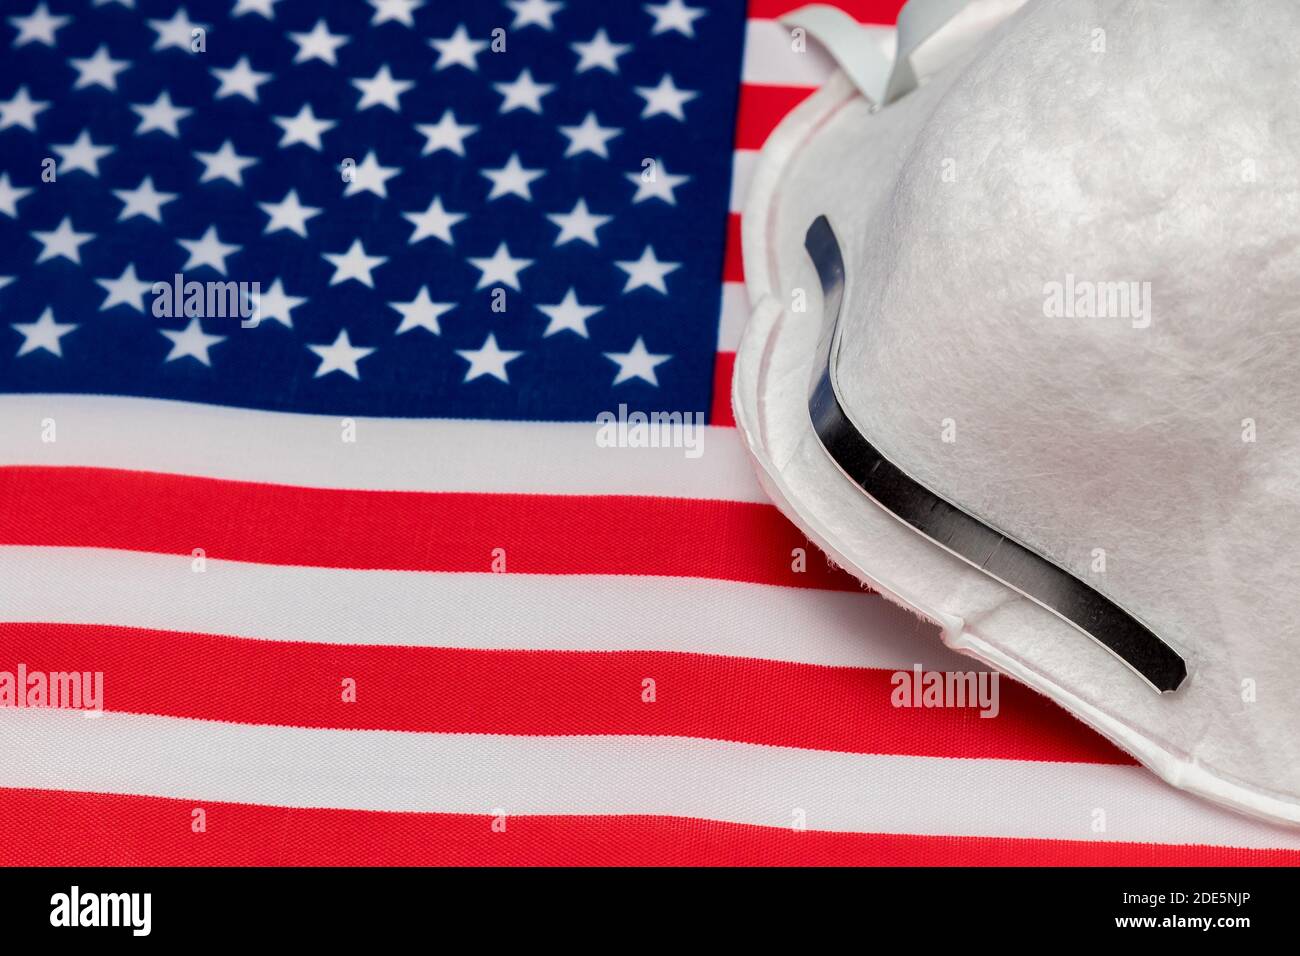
142,434
743,162
735,313
717,780
483,611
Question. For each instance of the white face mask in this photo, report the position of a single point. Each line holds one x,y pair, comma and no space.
1070,309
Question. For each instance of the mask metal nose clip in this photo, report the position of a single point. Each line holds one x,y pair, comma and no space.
956,531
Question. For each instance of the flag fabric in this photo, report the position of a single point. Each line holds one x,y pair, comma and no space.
312,318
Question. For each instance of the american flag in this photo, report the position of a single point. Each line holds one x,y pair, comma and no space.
361,583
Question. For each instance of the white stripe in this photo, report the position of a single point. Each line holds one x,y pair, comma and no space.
471,773
485,611
771,58
392,454
743,162
735,313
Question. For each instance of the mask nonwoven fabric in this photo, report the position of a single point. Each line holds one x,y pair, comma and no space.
1168,159
1156,456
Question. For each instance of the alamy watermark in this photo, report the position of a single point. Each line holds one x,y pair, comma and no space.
626,429
75,908
61,690
922,688
208,300
1084,299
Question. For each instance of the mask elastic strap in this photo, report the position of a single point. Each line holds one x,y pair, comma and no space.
856,50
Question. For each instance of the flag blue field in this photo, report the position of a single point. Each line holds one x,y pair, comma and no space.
443,220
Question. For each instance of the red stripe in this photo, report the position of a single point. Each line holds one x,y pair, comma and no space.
761,108
864,11
467,691
724,363
403,530
112,830
733,264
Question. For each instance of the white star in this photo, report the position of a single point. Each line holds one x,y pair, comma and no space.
579,224
265,8
161,115
276,304
489,360
144,200
534,12
599,53
225,163
5,280
512,179
342,356
434,221
304,128
458,50
21,110
354,264
177,32
636,363
647,271
37,27
665,98
674,15
524,93
319,44
569,314
445,134
369,176
10,196
63,241
126,289
421,312
289,214
402,11
656,182
192,341
381,90
500,267
208,250
44,333
239,80
83,154
100,69
589,137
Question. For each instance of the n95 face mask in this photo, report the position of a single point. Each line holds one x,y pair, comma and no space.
1023,356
